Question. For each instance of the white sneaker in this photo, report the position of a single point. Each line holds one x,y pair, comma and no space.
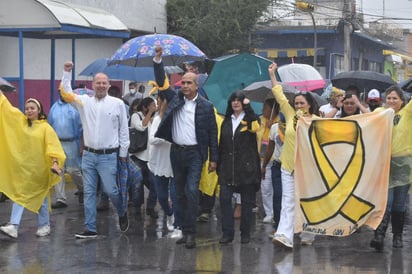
169,222
280,238
176,234
9,230
43,231
268,219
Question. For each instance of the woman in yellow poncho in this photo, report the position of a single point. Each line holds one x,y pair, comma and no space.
30,160
400,170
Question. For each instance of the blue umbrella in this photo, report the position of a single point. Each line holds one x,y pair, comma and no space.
139,51
122,72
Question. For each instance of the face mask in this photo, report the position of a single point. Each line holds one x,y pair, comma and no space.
132,90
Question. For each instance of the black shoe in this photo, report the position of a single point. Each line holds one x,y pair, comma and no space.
190,241
59,204
181,240
124,223
103,206
152,213
138,216
86,235
81,199
245,240
225,240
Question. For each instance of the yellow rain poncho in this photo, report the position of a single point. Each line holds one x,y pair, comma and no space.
208,180
26,157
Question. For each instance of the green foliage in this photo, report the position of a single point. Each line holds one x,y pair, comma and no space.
216,26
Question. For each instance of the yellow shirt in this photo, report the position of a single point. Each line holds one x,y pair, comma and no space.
402,132
26,157
288,153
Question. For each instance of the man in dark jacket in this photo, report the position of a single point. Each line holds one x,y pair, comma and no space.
189,124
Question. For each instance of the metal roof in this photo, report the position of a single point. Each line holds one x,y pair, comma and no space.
44,19
51,19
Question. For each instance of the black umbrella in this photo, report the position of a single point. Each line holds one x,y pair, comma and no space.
5,86
406,85
262,90
363,80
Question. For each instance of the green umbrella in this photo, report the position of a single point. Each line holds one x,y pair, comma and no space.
235,72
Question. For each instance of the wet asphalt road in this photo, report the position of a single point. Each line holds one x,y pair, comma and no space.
145,248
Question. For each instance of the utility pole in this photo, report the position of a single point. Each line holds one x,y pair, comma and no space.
347,30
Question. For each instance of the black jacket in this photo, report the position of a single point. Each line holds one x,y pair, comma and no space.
239,162
205,121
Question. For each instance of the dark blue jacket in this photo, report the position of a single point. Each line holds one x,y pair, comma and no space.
205,121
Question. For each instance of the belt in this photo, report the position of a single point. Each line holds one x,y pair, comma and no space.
101,151
277,164
185,147
67,139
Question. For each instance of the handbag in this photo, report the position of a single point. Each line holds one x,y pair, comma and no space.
138,139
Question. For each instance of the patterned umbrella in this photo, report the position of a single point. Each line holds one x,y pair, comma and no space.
122,72
139,51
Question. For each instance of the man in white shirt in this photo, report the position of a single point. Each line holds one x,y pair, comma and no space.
106,137
189,123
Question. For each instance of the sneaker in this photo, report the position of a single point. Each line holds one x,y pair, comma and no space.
43,231
59,204
124,223
307,242
86,235
281,239
204,218
169,222
176,234
9,230
268,220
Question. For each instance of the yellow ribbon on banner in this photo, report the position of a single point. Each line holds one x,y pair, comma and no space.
339,198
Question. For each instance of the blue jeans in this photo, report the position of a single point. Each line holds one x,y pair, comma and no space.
104,166
397,198
187,166
277,193
148,182
43,215
163,186
248,198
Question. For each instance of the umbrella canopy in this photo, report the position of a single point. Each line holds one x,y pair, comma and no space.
139,51
363,80
235,72
260,91
122,72
406,85
5,86
301,76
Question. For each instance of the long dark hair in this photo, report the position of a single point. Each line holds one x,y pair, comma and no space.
144,104
314,108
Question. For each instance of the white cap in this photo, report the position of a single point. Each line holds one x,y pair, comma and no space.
374,94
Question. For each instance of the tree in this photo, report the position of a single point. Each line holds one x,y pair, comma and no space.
218,27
